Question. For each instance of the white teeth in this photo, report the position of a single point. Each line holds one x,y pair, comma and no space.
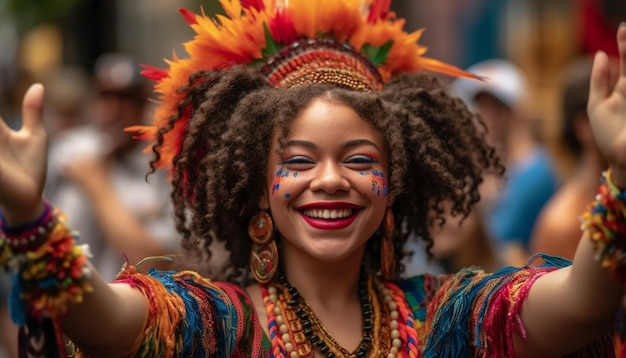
328,213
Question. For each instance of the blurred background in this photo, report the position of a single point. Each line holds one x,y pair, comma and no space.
37,37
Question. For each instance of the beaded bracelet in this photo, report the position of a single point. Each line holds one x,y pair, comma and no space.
605,223
26,237
50,270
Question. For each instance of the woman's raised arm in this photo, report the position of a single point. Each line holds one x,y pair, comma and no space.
567,308
103,320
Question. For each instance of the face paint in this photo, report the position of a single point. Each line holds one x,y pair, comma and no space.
379,182
280,174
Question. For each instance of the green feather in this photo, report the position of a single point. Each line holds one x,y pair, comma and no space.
271,46
377,54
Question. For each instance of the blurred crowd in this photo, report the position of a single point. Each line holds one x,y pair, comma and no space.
97,171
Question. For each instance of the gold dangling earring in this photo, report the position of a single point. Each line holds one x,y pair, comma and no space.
387,251
264,253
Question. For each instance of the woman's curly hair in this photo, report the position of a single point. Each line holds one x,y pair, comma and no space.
436,147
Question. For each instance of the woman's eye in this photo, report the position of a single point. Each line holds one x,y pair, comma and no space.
361,159
297,160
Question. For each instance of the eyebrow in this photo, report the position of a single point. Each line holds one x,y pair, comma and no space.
346,145
358,142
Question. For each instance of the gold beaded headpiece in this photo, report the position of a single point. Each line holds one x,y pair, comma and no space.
357,44
321,61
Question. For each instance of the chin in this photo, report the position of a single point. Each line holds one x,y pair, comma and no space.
327,252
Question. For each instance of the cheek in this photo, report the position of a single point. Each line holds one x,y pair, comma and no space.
376,183
283,182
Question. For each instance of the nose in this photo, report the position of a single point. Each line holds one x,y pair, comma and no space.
330,178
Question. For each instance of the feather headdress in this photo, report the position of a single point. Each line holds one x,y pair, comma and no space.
351,43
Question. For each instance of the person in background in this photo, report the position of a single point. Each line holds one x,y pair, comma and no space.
70,91
97,174
531,178
462,242
557,231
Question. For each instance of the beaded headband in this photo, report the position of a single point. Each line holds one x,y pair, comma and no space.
321,61
357,44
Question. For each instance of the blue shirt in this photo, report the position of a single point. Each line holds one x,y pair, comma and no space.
528,187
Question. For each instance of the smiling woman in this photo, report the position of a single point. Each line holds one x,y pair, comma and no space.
332,206
312,158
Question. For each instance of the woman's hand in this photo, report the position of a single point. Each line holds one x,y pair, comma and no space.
23,162
607,109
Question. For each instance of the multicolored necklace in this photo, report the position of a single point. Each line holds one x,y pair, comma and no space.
295,329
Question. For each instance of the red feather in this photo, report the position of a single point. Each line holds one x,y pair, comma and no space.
378,10
255,4
282,28
154,73
189,16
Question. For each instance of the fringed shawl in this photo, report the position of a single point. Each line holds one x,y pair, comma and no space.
190,316
469,314
474,314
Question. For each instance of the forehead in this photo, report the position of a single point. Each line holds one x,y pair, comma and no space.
331,120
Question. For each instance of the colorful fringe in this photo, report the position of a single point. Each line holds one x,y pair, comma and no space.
189,316
470,314
474,314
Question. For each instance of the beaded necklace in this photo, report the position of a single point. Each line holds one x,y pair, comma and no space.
295,329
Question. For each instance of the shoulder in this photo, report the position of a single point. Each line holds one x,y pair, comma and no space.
557,231
209,317
188,285
473,282
473,309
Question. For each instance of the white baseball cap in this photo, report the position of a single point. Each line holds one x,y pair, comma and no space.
501,79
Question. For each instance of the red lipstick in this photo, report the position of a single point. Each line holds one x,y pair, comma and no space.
329,224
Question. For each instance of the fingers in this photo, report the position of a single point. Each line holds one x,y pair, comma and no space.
32,108
599,87
621,45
